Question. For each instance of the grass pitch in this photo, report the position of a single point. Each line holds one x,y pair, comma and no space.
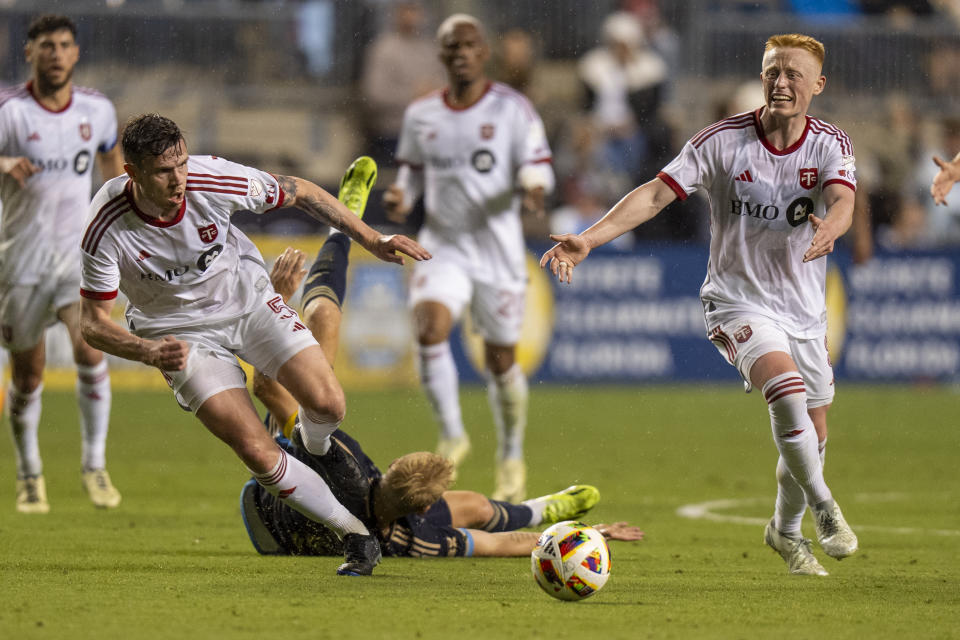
174,561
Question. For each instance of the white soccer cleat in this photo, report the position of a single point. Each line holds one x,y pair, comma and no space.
454,449
32,495
835,536
102,493
796,552
511,483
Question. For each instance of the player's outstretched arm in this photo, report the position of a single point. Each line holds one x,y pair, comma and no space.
638,206
839,200
943,182
18,168
322,206
100,332
522,543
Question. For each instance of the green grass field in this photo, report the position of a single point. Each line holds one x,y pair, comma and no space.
174,560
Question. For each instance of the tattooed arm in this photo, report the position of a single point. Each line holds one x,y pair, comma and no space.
322,206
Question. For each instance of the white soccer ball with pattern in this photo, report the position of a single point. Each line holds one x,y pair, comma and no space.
571,561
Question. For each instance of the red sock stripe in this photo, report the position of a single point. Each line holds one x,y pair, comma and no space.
784,388
791,434
277,475
94,379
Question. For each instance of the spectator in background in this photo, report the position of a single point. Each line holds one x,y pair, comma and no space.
624,81
400,66
515,59
585,204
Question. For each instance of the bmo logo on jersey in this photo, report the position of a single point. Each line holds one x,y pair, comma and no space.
758,210
483,160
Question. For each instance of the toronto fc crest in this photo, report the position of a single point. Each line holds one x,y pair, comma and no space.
85,131
486,131
743,333
208,233
808,178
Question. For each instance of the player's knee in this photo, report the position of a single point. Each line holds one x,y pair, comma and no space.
257,454
25,382
326,404
786,397
481,511
429,334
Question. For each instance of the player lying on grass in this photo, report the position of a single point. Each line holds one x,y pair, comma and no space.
409,505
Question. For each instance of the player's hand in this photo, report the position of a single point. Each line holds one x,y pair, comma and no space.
167,354
824,237
288,272
390,248
942,182
393,204
534,203
620,531
19,169
571,249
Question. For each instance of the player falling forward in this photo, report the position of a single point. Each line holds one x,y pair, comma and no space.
478,153
50,132
781,190
408,506
199,296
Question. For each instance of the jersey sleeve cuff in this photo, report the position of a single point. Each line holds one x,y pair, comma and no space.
98,295
670,182
843,182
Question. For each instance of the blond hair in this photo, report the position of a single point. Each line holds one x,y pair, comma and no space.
447,26
416,480
799,41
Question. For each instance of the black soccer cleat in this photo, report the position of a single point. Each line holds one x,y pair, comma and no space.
361,554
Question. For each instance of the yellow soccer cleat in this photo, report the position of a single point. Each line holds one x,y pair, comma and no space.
101,491
32,495
356,183
570,504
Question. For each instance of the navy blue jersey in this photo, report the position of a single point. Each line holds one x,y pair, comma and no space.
276,529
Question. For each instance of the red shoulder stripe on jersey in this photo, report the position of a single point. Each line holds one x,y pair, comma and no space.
212,190
210,175
673,184
98,220
706,132
839,181
234,184
819,126
98,295
745,125
94,243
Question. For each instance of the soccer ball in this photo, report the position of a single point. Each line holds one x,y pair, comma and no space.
571,561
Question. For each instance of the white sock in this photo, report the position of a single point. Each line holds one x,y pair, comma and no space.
795,435
441,383
24,412
536,506
508,395
791,503
315,432
300,488
822,449
93,399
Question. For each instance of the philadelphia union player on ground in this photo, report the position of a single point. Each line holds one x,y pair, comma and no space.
50,132
199,296
781,189
478,153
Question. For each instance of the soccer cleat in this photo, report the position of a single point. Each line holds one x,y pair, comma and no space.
796,551
32,495
835,536
454,449
569,504
356,183
102,493
511,482
361,554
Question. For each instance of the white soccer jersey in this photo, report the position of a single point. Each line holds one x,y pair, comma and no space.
471,158
186,272
760,200
42,222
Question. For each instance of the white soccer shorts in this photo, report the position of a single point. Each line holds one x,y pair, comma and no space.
27,310
496,310
745,339
267,336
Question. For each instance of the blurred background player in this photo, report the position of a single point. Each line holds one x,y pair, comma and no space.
478,153
199,297
50,132
763,296
409,506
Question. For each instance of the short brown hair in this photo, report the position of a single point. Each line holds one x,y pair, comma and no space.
416,480
48,23
148,135
799,41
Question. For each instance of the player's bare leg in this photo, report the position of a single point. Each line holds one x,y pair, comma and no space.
23,408
440,379
94,400
797,440
508,395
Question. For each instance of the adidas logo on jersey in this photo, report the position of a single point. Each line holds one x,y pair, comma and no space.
744,177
